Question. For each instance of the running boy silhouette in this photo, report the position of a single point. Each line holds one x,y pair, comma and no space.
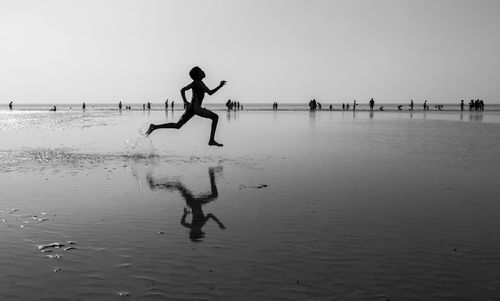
194,108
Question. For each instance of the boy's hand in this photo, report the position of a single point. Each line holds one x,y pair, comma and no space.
222,83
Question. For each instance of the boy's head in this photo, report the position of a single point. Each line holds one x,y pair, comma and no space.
196,73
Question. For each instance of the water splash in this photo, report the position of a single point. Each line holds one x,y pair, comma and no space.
142,147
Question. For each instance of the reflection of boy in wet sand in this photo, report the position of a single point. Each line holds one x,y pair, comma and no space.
194,108
194,203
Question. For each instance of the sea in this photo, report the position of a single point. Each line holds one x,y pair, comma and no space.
297,204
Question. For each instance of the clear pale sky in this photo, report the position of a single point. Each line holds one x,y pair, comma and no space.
267,50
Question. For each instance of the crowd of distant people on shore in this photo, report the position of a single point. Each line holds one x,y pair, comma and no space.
314,105
233,105
473,105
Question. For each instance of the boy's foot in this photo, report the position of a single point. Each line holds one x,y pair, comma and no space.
150,129
215,143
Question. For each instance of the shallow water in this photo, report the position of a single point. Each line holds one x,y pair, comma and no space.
300,206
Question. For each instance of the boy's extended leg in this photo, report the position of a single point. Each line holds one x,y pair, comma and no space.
202,112
171,125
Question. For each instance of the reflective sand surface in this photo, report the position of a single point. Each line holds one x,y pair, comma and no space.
295,206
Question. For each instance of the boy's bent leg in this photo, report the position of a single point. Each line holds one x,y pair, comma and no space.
202,112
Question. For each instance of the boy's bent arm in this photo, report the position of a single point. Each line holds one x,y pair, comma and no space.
183,92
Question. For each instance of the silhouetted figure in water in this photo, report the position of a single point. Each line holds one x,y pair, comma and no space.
53,109
166,104
354,105
462,105
172,105
331,107
347,107
411,105
120,105
193,202
381,108
399,107
372,104
83,106
10,105
194,108
149,105
343,106
425,105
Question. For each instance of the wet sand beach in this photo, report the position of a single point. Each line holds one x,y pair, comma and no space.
297,205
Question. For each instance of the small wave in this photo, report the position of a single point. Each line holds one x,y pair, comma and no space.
73,161
39,158
55,245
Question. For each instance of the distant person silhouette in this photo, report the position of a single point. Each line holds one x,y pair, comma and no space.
166,104
10,105
53,109
372,104
149,105
462,105
194,108
120,105
193,202
399,107
83,106
313,104
411,105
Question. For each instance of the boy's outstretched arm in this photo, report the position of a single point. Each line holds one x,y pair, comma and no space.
210,92
183,92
